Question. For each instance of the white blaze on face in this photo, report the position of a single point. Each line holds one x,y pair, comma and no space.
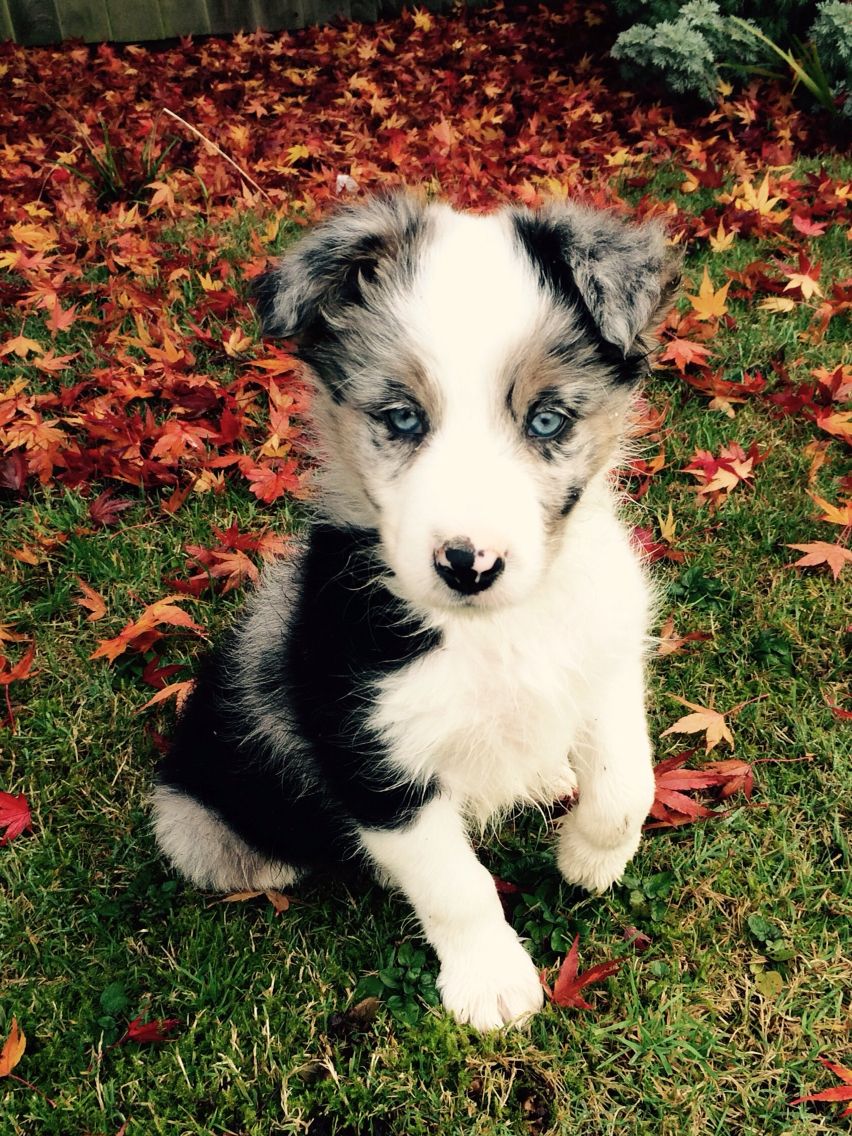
474,302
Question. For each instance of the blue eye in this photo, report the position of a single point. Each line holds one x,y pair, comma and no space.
406,421
547,424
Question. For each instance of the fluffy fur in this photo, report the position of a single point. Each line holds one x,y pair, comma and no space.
463,629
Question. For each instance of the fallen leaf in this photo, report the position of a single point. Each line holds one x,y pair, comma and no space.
179,691
670,643
143,1033
162,611
13,1049
14,816
710,303
704,720
673,780
566,989
20,670
91,600
278,899
838,1093
821,552
106,509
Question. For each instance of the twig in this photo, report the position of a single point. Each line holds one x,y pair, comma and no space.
30,1085
219,151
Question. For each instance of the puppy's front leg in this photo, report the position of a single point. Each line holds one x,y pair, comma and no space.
486,977
615,779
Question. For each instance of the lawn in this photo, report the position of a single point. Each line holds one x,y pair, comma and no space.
152,446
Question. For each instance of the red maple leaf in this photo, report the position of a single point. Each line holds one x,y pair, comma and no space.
106,509
803,224
14,472
566,989
673,807
14,815
143,1033
838,1093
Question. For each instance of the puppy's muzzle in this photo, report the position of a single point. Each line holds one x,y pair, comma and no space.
466,569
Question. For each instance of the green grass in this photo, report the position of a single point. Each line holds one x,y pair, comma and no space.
690,1038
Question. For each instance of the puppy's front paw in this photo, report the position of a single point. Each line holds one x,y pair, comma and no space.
491,984
591,864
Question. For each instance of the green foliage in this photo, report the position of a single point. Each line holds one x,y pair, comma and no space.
832,39
686,46
686,51
121,171
403,984
780,20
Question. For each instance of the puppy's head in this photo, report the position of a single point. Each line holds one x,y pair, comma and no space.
473,375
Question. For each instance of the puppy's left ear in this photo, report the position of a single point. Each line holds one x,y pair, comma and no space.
627,275
622,275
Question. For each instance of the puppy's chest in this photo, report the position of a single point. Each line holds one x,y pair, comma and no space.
492,714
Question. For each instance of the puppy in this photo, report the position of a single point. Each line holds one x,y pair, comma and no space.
463,629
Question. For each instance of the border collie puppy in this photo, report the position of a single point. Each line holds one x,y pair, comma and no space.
463,629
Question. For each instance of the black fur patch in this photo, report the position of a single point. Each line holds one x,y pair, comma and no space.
264,288
346,631
544,242
571,498
332,271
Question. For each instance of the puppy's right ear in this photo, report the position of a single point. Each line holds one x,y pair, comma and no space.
338,264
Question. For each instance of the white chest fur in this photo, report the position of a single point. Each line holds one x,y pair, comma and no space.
495,712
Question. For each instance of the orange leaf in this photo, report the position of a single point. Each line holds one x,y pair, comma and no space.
821,552
91,600
162,611
13,1049
180,691
704,719
20,670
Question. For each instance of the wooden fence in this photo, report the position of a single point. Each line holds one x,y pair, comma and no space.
51,21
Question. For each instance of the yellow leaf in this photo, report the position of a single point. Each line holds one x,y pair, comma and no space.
422,20
296,153
777,304
808,285
236,343
705,719
710,303
723,239
668,527
835,515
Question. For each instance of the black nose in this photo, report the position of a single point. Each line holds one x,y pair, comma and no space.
466,569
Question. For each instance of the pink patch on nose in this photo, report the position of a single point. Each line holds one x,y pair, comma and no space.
484,559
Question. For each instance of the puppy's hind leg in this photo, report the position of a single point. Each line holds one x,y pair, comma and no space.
486,977
209,853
